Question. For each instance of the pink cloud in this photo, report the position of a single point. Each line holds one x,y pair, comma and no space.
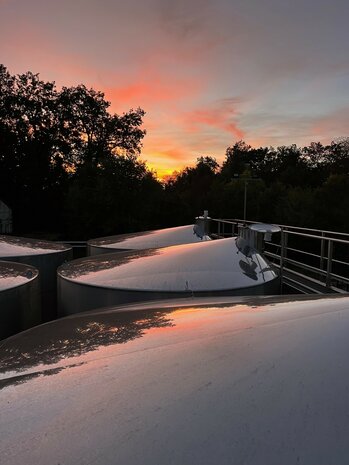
221,116
166,81
152,90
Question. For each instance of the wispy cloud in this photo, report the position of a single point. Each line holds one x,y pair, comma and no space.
151,91
181,61
221,115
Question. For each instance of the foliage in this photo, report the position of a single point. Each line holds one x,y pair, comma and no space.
68,165
291,185
63,149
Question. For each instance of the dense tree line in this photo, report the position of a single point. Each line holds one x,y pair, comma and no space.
70,167
306,186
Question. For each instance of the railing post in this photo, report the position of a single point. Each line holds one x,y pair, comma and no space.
285,232
223,232
329,264
219,229
322,253
282,252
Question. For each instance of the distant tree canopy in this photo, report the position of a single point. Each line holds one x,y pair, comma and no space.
69,166
306,186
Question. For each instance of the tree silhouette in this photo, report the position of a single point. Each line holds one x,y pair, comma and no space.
70,166
54,142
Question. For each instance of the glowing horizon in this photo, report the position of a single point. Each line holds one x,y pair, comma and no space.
206,73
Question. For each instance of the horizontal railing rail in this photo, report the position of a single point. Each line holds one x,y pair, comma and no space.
319,256
313,254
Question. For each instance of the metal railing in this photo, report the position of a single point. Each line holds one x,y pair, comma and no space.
308,259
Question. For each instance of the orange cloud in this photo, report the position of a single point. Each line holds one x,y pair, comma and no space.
164,159
166,82
154,82
166,153
221,116
151,91
177,138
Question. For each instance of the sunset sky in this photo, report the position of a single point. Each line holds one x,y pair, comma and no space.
207,73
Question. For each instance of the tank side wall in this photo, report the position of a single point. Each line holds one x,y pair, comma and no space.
20,308
74,297
47,265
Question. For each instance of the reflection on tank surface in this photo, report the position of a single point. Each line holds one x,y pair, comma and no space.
249,269
256,380
21,379
222,267
88,266
197,267
146,240
66,338
13,274
31,354
18,246
72,337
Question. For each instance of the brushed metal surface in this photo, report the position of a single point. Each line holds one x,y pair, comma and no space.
14,274
46,256
19,298
212,265
11,246
260,381
145,240
223,267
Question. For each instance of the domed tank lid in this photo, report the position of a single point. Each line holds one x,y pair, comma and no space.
15,274
265,228
224,264
150,239
11,246
259,383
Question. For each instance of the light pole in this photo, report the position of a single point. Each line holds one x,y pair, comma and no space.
246,181
245,201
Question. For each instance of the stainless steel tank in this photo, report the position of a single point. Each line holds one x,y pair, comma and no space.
145,240
204,381
213,268
19,298
46,256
